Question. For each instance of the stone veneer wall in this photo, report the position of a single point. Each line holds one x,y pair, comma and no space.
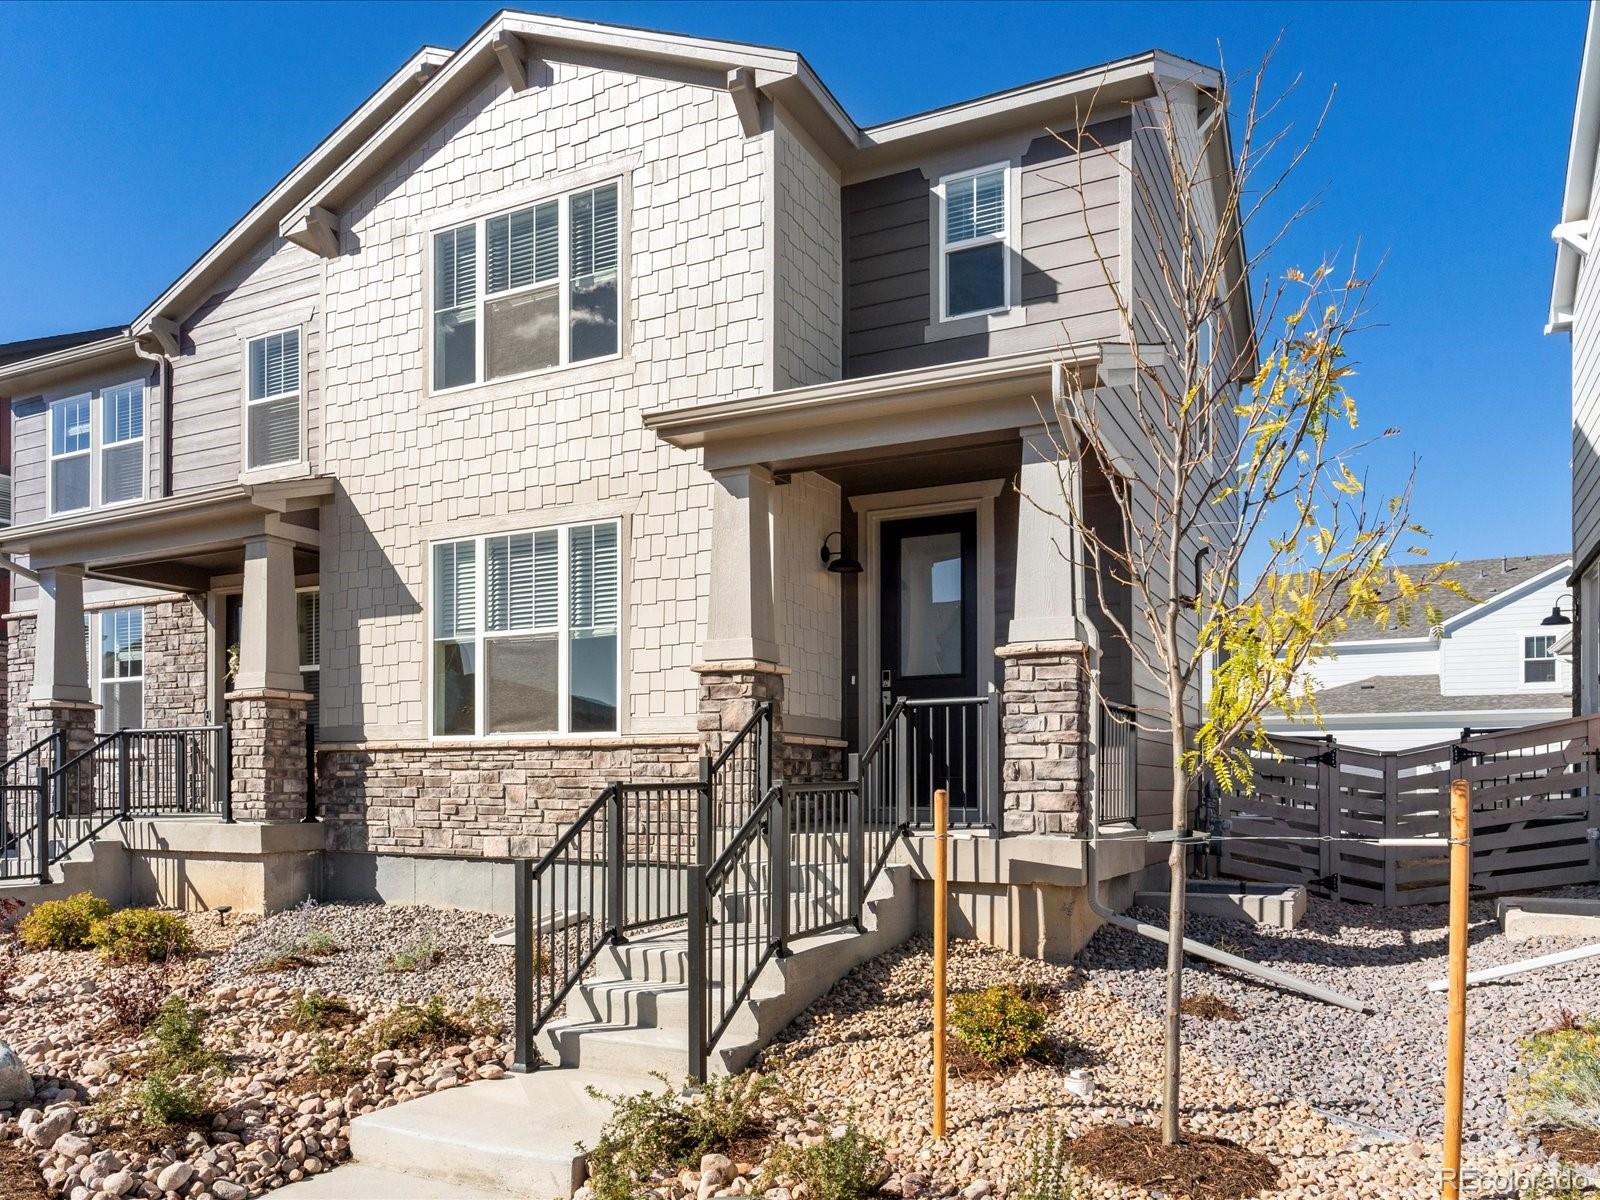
1044,732
268,736
19,677
175,683
488,799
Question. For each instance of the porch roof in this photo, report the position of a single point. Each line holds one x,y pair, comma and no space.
166,542
950,400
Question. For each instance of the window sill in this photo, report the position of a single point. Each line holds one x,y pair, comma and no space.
295,470
516,386
960,327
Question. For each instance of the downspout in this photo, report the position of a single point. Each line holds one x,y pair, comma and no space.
164,382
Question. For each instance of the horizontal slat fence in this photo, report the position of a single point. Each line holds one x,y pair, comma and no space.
1535,810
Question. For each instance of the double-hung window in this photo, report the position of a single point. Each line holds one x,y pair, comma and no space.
527,290
120,668
308,627
526,632
272,402
96,449
974,263
1539,659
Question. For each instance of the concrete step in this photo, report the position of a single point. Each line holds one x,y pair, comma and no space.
511,1137
616,1049
359,1181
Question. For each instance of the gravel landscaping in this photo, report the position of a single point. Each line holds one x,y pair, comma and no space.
285,1078
1385,1070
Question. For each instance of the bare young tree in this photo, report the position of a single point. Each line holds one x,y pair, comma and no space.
1227,430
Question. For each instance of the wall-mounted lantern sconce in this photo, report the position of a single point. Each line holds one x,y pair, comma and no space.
838,561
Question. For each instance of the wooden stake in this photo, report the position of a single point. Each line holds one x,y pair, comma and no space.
1456,1032
941,935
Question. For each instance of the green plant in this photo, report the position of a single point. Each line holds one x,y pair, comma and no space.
141,935
338,1063
1046,1177
293,955
134,995
314,1011
318,943
415,958
62,924
429,1024
997,1025
1557,1078
179,1034
165,1100
668,1128
847,1167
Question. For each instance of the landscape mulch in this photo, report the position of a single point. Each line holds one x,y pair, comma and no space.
1200,1168
1571,1145
1209,1007
19,1178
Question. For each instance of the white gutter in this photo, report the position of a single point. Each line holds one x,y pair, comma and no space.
1575,201
43,368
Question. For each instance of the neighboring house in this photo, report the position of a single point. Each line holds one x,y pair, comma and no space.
1491,663
585,386
1575,310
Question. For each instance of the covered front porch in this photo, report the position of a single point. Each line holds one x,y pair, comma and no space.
192,699
894,554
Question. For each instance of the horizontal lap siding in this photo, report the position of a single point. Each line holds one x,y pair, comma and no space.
1070,217
278,286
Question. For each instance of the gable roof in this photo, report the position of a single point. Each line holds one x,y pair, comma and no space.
53,343
1421,694
1483,578
1579,190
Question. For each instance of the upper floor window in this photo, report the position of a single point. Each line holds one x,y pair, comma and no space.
526,632
974,264
272,402
308,627
527,290
1539,659
97,449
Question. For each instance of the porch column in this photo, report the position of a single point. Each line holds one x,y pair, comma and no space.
739,656
59,698
267,708
1044,695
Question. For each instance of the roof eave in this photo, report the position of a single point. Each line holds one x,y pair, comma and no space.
44,369
1579,187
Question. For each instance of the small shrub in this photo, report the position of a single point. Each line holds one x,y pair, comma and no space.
167,1100
411,1026
847,1167
318,944
1046,1176
141,935
134,996
314,1011
415,958
179,1033
335,1063
1557,1078
291,956
997,1025
668,1128
62,924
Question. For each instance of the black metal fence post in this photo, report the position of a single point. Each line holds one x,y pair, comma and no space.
856,854
697,929
224,771
902,769
616,862
124,777
522,983
41,779
778,860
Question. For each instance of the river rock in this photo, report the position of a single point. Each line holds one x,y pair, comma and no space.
15,1082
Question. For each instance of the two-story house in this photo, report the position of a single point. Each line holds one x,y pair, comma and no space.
1492,662
582,387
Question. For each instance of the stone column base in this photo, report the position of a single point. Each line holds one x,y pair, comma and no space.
1044,731
41,718
729,693
268,734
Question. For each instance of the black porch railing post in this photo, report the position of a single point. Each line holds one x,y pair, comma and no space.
311,773
856,852
224,770
616,862
180,773
902,769
991,761
522,983
124,777
778,858
41,779
697,929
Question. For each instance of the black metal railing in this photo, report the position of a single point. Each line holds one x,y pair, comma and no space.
1117,771
740,776
25,808
952,744
825,854
658,823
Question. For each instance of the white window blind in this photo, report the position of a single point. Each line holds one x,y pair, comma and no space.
455,589
272,409
975,206
71,433
974,272
121,669
524,588
275,365
594,231
524,247
308,621
594,576
122,444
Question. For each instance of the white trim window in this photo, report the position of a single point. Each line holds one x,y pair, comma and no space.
273,401
528,290
71,455
308,630
974,250
119,668
526,632
122,444
1538,658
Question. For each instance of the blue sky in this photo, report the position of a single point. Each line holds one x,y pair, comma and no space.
135,134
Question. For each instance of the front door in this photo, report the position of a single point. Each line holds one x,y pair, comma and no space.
929,641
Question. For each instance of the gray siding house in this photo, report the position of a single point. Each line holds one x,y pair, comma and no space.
583,388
